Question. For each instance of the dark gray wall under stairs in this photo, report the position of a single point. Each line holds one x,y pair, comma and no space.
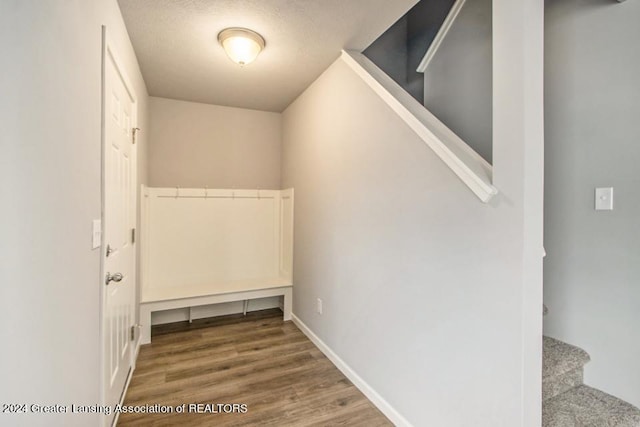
399,50
458,81
389,52
424,22
457,85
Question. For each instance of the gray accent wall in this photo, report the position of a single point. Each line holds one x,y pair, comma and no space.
458,81
592,268
50,175
424,22
389,51
400,49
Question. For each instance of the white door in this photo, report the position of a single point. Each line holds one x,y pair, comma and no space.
119,220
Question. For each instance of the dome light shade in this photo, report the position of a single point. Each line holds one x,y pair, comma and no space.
242,45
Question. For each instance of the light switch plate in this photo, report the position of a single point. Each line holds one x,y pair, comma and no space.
96,234
604,199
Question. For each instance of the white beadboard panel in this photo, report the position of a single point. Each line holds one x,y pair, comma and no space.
286,234
214,241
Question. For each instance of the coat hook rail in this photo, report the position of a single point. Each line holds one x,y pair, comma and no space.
195,193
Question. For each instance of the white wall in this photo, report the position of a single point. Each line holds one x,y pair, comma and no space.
592,268
196,145
50,115
430,296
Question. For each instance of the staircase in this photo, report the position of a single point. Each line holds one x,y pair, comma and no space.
567,402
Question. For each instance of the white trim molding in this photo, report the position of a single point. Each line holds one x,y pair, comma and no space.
468,165
384,406
440,36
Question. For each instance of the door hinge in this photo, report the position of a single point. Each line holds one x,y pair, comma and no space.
134,134
133,235
134,331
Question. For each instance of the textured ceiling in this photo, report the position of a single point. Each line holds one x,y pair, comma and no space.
175,42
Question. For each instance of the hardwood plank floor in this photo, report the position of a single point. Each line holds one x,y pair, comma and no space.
257,360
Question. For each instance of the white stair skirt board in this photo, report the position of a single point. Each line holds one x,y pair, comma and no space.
365,388
208,246
469,166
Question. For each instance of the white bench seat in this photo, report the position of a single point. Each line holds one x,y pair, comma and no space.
193,296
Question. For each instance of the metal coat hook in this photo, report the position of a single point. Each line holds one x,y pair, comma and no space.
134,134
177,192
258,193
206,192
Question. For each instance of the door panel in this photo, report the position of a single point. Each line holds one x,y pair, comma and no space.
119,220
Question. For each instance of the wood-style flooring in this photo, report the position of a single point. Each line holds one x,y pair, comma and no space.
257,360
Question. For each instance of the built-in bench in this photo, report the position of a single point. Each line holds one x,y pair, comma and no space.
195,296
199,246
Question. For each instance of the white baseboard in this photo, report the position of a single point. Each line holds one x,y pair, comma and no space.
124,393
136,353
384,406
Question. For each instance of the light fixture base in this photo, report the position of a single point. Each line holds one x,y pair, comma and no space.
241,44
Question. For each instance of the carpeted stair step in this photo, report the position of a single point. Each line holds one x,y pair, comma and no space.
562,367
584,406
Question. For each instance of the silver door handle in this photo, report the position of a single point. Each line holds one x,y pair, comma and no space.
113,278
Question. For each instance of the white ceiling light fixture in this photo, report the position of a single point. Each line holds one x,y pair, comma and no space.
242,45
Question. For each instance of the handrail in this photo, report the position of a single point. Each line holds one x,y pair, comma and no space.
440,36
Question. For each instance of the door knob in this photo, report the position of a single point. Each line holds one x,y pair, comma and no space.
113,278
